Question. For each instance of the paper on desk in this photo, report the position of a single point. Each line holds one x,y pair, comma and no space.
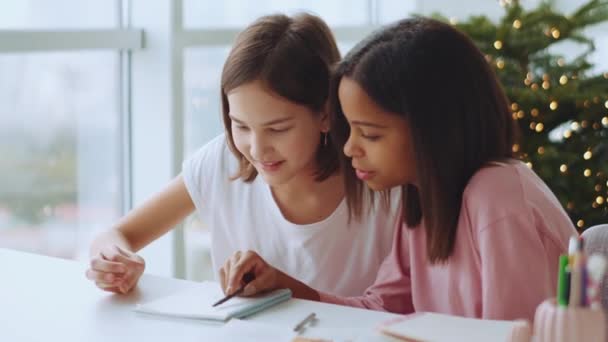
240,330
196,303
433,327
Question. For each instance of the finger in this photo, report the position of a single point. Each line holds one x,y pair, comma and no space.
105,277
263,282
129,261
251,264
101,265
222,274
227,270
107,287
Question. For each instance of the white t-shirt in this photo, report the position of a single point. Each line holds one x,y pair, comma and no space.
331,255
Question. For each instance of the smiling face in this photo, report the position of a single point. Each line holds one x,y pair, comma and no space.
380,142
278,137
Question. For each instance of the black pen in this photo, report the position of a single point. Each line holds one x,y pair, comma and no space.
247,278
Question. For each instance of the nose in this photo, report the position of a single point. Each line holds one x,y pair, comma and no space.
258,147
351,149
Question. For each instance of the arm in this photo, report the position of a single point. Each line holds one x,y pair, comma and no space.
148,222
515,269
390,292
114,265
392,289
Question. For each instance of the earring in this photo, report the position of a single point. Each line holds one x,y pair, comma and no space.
325,139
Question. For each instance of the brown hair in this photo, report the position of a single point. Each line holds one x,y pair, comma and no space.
433,76
292,57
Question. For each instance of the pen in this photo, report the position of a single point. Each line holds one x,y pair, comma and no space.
247,278
300,325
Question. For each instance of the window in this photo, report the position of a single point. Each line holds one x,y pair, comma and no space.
61,123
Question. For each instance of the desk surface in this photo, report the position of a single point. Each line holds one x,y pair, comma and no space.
49,299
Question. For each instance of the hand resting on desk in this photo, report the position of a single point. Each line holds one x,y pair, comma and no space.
115,269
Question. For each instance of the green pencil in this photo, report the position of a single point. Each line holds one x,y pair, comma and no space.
562,282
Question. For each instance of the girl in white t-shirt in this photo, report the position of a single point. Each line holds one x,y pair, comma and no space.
274,90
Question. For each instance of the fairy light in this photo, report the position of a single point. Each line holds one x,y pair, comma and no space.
580,223
563,168
529,165
605,121
599,200
596,126
555,33
533,125
598,187
534,112
584,123
498,45
500,63
541,150
546,85
563,80
587,173
539,127
514,106
587,155
561,62
515,148
527,82
567,134
517,24
575,126
521,114
534,86
606,104
553,105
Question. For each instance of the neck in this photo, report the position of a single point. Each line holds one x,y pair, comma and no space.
304,200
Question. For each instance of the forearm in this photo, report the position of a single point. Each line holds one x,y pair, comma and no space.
299,289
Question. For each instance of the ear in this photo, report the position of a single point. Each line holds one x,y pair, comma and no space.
325,124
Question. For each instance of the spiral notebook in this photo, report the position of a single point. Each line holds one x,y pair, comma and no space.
196,303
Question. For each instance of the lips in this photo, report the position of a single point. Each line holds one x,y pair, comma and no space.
364,175
271,166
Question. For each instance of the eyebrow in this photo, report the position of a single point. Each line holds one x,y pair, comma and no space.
367,124
269,123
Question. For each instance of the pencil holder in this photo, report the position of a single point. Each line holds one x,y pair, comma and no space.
553,323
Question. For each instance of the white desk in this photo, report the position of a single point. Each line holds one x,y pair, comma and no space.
49,299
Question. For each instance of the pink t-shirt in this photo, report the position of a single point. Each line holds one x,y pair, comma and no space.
511,231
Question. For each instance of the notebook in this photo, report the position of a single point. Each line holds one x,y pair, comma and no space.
433,327
196,303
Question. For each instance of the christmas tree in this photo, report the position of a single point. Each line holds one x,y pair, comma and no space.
561,108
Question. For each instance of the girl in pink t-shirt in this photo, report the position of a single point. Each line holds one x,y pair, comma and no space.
417,105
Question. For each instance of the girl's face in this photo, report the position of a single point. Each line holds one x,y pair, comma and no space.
380,142
278,137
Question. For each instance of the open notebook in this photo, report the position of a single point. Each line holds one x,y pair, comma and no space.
196,303
432,327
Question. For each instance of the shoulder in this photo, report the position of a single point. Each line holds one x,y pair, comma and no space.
496,191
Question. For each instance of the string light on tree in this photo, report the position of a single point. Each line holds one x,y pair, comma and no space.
563,80
563,168
498,45
587,173
555,33
587,155
553,105
517,24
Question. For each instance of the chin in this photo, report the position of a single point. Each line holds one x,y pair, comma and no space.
377,186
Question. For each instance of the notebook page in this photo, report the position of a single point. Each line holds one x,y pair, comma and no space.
434,327
196,303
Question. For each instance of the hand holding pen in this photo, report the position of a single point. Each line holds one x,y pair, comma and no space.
263,277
